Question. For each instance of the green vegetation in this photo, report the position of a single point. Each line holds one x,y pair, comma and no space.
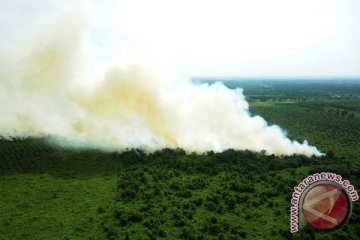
50,192
53,193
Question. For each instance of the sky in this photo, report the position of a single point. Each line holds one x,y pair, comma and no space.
209,38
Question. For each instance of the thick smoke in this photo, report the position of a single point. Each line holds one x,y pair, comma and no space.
43,93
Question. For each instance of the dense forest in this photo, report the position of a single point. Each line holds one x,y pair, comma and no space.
52,192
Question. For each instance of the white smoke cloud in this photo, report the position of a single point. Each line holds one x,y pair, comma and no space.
137,104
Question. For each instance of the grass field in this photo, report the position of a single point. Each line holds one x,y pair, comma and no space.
51,192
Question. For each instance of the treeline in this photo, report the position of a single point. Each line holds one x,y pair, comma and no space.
241,161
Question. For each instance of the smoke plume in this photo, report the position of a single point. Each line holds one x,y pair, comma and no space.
43,92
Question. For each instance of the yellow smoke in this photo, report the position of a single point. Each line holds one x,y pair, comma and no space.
134,105
119,97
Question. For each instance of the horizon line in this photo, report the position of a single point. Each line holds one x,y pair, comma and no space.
275,78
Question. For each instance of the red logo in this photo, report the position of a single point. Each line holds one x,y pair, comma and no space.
325,206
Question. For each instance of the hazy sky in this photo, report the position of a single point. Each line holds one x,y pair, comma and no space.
212,38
